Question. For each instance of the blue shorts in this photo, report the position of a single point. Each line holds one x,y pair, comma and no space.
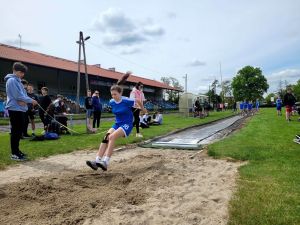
278,108
127,128
89,113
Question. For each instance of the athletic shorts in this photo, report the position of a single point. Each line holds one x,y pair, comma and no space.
288,109
127,128
278,108
89,113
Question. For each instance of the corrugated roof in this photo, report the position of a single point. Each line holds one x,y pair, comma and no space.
27,56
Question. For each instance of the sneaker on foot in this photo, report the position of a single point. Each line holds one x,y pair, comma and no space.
102,165
92,164
22,155
26,136
298,136
17,158
139,135
297,141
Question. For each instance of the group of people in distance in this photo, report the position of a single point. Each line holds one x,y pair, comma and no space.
247,108
127,115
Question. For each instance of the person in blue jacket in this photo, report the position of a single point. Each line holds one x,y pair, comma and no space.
97,108
16,105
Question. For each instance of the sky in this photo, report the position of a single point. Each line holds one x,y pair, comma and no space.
159,38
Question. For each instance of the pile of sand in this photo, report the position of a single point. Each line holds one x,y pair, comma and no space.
142,186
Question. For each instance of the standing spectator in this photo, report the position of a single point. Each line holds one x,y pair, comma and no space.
17,100
97,108
289,101
197,107
278,106
30,112
257,105
234,107
137,94
45,101
89,109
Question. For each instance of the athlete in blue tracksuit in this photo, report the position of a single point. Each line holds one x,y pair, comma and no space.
122,109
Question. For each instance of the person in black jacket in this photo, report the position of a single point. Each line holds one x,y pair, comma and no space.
89,109
30,112
44,101
289,100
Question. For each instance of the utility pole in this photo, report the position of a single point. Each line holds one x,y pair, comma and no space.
185,79
186,95
222,88
78,75
20,39
84,58
81,43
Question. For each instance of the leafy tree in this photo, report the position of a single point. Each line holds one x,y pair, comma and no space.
296,90
226,91
212,95
173,96
268,98
249,84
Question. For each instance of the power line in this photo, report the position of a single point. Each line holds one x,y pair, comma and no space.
125,59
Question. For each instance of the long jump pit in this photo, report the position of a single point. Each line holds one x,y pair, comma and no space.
142,186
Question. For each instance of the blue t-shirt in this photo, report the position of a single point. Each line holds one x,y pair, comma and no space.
122,110
241,106
278,103
250,106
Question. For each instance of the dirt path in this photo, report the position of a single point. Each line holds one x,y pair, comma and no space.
143,186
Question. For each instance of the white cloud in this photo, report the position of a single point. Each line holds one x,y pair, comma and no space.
289,76
196,62
120,30
130,51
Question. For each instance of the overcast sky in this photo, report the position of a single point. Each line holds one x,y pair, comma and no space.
164,37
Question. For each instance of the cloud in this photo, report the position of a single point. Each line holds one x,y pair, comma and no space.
171,15
126,39
154,30
288,75
196,62
16,42
120,30
114,20
130,51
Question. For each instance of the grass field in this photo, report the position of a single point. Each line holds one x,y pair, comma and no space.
69,143
268,190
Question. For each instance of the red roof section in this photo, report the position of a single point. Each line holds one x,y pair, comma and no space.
27,56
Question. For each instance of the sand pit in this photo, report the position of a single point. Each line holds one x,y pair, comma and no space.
143,186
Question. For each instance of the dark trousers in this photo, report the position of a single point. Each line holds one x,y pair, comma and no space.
97,116
25,124
136,116
42,117
17,124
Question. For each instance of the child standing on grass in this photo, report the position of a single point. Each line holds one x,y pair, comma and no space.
121,108
278,106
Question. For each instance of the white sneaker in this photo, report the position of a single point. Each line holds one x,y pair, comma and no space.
139,135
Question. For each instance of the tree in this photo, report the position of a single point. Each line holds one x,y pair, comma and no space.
249,84
226,91
268,98
296,90
212,95
173,96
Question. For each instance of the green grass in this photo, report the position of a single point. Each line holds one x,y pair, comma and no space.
69,143
5,121
268,191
